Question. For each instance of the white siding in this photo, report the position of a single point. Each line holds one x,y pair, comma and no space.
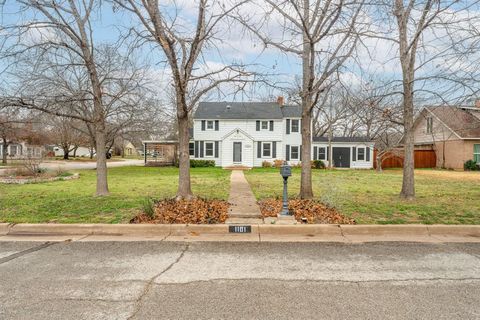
354,163
248,126
247,150
244,131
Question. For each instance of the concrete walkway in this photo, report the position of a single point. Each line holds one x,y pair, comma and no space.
243,208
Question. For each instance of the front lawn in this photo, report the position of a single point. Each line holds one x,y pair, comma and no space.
74,201
370,197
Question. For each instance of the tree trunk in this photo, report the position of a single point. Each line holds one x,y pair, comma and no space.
75,152
379,163
184,185
100,138
66,151
4,151
408,183
306,191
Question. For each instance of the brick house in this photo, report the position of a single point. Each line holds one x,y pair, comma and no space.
453,132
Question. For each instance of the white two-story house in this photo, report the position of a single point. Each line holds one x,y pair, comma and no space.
245,134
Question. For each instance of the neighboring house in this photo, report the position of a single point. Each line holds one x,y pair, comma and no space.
247,134
129,149
79,152
22,150
453,132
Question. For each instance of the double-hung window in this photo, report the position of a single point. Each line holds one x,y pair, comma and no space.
264,125
321,153
267,149
429,125
191,148
295,125
476,153
294,152
208,149
360,154
210,125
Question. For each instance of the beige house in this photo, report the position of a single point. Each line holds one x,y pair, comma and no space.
452,132
129,149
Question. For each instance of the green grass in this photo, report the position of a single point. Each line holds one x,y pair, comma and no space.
371,197
73,201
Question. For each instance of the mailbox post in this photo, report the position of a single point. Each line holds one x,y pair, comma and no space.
285,172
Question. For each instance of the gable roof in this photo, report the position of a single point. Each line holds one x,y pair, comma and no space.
244,110
464,122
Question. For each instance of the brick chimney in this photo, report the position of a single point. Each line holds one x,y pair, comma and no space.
477,103
280,101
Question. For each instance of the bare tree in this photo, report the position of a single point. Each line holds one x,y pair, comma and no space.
66,66
324,35
66,33
183,43
415,27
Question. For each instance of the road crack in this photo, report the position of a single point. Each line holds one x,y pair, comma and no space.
24,252
148,286
326,281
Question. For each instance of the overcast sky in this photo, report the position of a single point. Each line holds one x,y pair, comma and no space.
374,58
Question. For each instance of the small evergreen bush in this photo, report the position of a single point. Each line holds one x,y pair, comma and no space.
471,165
318,164
201,163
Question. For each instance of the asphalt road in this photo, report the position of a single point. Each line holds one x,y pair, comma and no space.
176,280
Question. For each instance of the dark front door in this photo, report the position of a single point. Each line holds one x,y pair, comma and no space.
237,152
341,157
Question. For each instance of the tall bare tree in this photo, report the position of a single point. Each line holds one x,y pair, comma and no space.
183,38
65,28
66,66
416,28
323,35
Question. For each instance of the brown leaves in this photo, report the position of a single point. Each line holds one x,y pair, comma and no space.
313,211
197,211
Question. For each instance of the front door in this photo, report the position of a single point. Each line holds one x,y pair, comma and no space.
237,152
341,157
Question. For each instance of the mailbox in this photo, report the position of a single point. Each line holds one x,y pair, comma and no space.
285,170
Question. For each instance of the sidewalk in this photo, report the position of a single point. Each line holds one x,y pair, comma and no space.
243,205
259,233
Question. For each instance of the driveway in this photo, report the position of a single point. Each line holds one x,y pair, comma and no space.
79,165
176,280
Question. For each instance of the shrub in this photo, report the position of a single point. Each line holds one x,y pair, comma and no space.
266,164
278,163
318,164
471,165
202,163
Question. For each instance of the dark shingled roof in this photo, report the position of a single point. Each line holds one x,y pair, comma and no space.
342,139
244,110
464,122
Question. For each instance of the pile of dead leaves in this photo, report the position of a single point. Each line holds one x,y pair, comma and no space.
197,211
311,210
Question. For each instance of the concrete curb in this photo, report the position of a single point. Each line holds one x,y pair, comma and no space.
89,229
323,230
4,228
385,230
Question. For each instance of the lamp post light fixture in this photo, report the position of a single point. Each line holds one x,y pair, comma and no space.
285,172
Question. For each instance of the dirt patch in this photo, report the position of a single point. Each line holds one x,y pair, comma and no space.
449,174
198,211
311,210
38,179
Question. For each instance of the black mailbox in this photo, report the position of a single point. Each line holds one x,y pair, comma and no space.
286,170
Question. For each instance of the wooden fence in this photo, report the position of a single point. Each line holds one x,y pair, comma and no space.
423,159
